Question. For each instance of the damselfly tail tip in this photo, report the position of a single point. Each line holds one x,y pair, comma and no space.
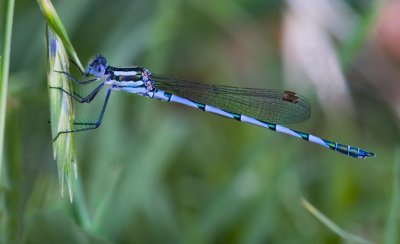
365,154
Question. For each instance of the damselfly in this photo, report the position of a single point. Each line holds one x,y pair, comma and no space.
263,107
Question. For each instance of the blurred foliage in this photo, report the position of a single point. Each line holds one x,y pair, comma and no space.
158,172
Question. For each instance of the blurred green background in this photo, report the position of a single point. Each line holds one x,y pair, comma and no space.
157,172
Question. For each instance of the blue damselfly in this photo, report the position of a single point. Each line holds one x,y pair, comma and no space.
263,107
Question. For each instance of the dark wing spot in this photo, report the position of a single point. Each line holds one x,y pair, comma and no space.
290,96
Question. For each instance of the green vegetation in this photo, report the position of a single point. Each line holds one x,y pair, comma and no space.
161,173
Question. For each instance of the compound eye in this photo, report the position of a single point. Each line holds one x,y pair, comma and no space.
98,66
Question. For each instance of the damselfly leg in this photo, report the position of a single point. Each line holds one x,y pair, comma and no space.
84,99
79,98
90,126
84,82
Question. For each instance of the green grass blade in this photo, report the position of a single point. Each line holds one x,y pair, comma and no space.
58,28
60,50
61,111
332,226
393,220
4,71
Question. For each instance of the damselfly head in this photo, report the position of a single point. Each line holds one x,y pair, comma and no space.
98,66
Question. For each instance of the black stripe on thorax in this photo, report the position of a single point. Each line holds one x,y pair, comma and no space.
136,69
126,77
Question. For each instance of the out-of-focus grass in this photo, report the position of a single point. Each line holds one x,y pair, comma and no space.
363,31
158,172
8,213
393,219
13,177
332,226
4,74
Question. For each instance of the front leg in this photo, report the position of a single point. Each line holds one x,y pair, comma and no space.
84,82
78,97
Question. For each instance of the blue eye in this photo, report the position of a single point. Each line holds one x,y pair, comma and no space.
98,66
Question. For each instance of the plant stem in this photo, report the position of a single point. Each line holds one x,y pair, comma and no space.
4,71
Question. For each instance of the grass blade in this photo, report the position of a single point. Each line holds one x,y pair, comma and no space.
61,112
392,224
54,21
4,71
332,226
